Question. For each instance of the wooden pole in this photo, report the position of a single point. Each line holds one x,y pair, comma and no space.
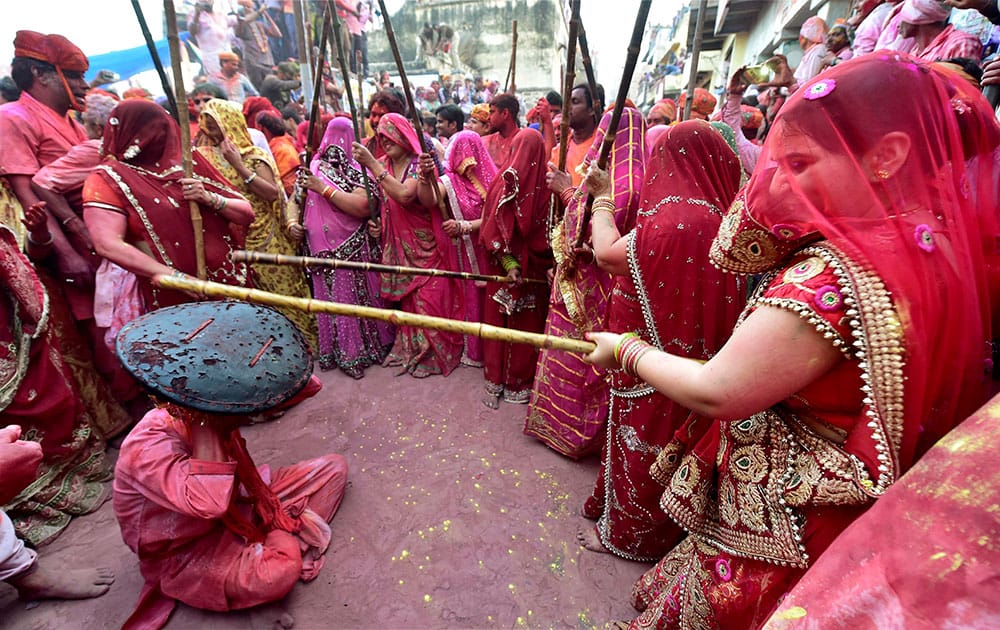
334,263
184,122
160,72
399,318
513,61
568,81
695,55
418,125
314,114
588,67
298,6
339,41
513,55
616,116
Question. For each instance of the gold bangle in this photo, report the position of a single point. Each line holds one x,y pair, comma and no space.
382,175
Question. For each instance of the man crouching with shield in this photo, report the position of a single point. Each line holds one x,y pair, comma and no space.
212,529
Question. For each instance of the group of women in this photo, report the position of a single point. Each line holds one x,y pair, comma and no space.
740,434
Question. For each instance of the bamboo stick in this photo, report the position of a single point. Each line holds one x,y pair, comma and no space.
185,124
616,116
418,124
398,318
157,62
513,60
317,87
569,80
339,42
588,67
334,263
695,58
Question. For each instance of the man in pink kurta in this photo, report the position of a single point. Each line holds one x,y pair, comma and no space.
170,508
211,528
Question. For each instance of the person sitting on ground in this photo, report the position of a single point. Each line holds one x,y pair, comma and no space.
211,528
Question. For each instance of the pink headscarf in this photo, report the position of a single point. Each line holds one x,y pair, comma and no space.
924,11
813,30
471,171
652,134
398,129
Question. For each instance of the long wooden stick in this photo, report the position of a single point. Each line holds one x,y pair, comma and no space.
570,79
616,115
418,124
339,42
185,124
588,67
299,10
695,56
157,62
317,87
513,58
334,263
513,61
399,318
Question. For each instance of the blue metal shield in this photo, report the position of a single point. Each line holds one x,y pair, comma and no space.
217,357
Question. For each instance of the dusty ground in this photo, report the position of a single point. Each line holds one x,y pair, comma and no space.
452,519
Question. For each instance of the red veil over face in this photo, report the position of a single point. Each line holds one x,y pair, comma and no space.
907,197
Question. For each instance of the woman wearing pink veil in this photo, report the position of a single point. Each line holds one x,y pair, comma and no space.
569,399
336,222
413,236
469,171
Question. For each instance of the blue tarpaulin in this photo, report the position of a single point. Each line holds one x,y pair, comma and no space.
132,61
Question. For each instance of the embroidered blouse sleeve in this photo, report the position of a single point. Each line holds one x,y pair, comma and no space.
809,288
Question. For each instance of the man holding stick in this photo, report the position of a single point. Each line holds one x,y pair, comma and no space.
582,129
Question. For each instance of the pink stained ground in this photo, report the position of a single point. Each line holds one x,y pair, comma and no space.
452,519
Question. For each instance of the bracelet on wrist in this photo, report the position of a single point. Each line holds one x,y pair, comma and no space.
618,346
382,175
249,178
69,219
40,243
508,262
566,196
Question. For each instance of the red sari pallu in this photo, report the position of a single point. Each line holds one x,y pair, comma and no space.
870,225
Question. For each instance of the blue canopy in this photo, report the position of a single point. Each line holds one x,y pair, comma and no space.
132,61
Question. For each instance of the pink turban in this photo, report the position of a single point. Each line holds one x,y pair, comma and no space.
924,12
813,30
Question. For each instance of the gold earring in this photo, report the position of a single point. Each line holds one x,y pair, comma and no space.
882,174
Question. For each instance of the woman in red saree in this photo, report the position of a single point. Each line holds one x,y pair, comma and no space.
569,399
38,392
136,207
514,232
865,342
469,171
669,294
412,236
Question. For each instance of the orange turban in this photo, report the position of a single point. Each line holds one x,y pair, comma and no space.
665,107
701,106
55,50
228,56
481,112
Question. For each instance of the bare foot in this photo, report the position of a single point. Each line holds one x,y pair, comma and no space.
491,401
48,582
590,540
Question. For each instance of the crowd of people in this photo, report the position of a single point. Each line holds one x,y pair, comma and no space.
791,298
